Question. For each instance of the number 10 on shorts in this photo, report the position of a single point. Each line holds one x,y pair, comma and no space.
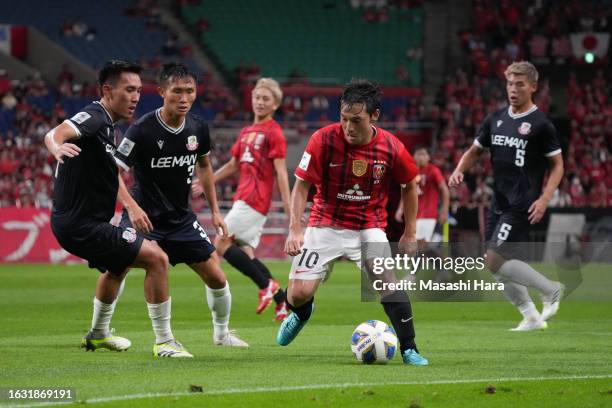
309,260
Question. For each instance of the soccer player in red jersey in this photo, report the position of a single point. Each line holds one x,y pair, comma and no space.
431,186
352,164
259,156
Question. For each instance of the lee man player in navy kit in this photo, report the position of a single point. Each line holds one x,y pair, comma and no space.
85,192
165,147
523,145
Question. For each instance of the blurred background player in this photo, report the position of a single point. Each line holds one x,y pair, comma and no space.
258,154
352,164
523,143
432,214
83,206
165,146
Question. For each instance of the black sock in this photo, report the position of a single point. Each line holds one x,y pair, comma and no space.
397,307
302,312
263,268
279,296
241,261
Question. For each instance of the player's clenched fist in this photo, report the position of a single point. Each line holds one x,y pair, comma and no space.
293,245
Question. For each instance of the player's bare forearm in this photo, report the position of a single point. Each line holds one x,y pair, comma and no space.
554,177
139,219
282,179
226,170
299,195
55,141
123,195
445,195
207,181
538,207
465,163
410,205
295,238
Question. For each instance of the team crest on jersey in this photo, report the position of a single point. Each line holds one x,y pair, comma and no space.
378,171
360,167
525,128
192,143
129,235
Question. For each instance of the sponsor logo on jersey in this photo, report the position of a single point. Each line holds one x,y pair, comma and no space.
129,235
525,128
502,140
247,156
126,146
80,117
160,143
192,143
173,161
378,171
353,194
360,167
305,161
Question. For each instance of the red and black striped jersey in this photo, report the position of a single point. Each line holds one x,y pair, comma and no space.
352,181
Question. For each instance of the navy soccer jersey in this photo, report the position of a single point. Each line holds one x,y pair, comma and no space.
164,159
519,145
86,185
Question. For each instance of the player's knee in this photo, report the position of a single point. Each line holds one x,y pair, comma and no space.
298,297
493,261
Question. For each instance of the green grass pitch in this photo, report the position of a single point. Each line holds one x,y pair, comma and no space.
474,360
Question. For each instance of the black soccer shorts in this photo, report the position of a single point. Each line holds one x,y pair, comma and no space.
183,239
507,233
104,246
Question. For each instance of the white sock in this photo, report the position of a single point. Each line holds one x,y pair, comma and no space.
520,272
102,315
220,304
160,319
516,293
529,311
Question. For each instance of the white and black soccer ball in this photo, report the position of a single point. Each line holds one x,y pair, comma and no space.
374,342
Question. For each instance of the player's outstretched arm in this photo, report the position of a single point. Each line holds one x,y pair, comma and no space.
207,181
282,179
139,219
410,205
538,208
295,239
56,139
467,161
227,170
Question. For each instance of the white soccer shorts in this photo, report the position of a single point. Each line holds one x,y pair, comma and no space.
425,228
323,246
245,223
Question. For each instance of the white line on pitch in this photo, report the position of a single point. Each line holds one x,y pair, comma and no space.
310,387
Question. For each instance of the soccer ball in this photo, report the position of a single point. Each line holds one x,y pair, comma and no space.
374,342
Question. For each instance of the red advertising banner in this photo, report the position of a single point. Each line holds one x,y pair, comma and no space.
26,237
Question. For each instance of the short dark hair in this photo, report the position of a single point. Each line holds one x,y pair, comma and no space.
176,70
422,147
362,91
112,70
